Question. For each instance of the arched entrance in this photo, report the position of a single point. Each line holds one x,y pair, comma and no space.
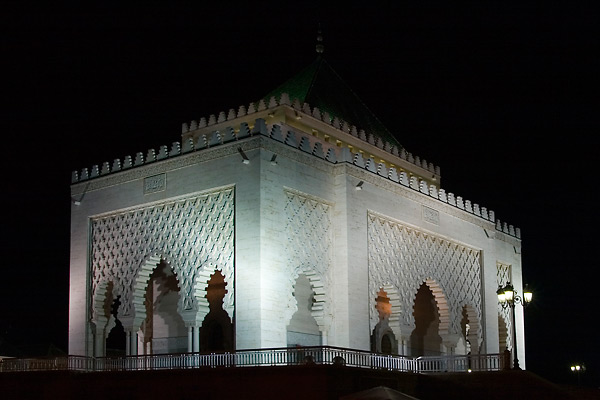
387,340
116,338
163,328
383,339
303,329
425,339
216,333
468,342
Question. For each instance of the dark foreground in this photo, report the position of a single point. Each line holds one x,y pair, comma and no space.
291,382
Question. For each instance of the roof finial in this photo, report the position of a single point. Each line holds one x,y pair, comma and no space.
320,48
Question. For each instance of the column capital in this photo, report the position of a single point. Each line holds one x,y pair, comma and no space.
131,323
194,318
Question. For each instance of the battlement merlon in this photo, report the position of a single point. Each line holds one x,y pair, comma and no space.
311,120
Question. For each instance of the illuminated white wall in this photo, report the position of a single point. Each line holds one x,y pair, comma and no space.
300,215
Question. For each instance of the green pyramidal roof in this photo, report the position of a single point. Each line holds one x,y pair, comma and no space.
320,86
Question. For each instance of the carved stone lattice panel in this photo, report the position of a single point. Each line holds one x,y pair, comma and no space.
194,235
309,247
503,276
405,257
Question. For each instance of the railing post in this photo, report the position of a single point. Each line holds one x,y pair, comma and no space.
506,359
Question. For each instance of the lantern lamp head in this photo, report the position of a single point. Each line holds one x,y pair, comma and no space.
527,295
501,295
509,292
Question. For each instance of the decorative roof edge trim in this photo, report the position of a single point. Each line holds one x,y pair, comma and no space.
330,155
223,118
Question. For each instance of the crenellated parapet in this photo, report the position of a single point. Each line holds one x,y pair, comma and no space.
306,143
337,129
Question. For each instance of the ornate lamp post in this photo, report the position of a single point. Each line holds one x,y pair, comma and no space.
509,297
578,368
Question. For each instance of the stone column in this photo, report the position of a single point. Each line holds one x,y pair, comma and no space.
100,330
127,343
131,326
190,346
449,341
131,344
193,343
323,338
193,320
196,338
402,333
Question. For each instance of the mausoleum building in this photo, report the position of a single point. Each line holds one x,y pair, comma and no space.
296,220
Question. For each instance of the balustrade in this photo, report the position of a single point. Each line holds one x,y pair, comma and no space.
261,357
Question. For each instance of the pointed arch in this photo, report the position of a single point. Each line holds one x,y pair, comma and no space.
102,318
199,291
394,300
216,332
319,305
104,293
431,316
473,337
441,303
163,329
140,286
394,309
386,334
303,328
113,341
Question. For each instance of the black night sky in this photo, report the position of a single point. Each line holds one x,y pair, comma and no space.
504,98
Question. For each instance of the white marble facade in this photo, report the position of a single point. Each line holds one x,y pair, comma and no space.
275,197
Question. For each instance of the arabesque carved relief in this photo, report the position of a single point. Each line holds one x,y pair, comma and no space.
404,257
194,235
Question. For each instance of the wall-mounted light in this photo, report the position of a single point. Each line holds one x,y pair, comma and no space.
77,202
274,159
245,159
359,185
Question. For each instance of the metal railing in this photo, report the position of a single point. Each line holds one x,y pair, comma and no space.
468,363
261,357
71,363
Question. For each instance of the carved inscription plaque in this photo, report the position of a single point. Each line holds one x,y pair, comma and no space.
156,183
430,215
